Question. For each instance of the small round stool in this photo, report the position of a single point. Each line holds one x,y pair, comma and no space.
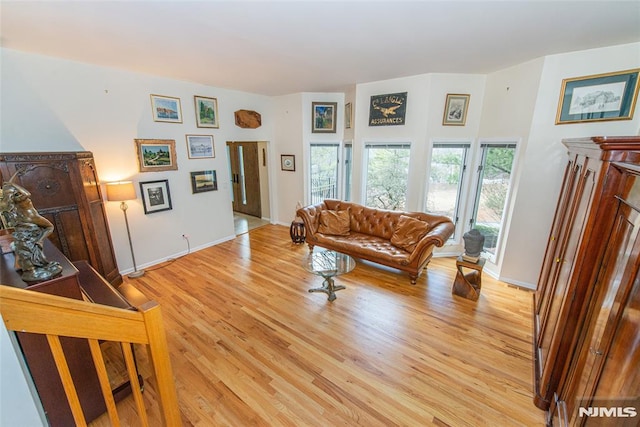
297,232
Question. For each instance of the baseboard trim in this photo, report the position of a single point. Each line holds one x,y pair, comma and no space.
178,255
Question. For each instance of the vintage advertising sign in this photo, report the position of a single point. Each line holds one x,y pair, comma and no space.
388,110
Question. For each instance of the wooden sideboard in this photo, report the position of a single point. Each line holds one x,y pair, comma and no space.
65,189
78,281
586,323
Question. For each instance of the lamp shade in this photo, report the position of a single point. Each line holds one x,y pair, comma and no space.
120,191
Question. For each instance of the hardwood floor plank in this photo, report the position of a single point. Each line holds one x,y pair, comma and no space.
251,346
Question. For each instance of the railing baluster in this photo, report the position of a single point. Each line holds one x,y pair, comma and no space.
67,381
135,384
98,361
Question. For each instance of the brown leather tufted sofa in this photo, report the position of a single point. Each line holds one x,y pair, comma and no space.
370,235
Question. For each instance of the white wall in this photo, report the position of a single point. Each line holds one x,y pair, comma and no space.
545,156
425,108
288,133
507,112
58,105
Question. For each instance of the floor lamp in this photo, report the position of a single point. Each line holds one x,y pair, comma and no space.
121,192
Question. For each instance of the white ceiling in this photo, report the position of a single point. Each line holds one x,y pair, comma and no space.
281,47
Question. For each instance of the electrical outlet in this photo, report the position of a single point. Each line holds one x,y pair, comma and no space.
185,236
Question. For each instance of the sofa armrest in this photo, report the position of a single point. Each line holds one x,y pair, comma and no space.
437,236
310,215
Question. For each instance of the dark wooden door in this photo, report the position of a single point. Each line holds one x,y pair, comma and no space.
245,177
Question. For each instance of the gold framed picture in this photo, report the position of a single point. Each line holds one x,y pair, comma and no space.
598,98
455,109
206,112
156,155
166,109
323,117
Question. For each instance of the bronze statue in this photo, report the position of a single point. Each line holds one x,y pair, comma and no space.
30,230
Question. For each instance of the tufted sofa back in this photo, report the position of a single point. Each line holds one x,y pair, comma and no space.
377,222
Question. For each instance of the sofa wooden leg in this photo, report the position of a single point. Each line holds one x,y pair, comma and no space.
310,247
413,279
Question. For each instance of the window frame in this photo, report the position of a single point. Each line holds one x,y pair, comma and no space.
463,184
474,193
338,171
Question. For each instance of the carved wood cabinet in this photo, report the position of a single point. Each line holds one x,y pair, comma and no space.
65,189
586,308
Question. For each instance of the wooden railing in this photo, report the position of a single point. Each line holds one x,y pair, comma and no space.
55,317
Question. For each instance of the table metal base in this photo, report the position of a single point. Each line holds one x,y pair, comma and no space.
329,288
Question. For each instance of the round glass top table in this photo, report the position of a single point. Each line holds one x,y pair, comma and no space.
328,264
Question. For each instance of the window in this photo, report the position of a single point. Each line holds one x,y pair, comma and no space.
323,172
348,169
387,173
446,177
494,180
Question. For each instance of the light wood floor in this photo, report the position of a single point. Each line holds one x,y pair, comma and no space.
243,223
250,346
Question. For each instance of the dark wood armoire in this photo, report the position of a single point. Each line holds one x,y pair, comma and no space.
65,189
587,305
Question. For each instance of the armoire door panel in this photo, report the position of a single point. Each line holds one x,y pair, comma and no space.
557,229
558,246
618,271
49,185
565,262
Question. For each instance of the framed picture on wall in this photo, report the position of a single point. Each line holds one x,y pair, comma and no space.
455,109
348,112
288,162
203,181
324,117
155,196
156,155
597,98
200,146
166,109
389,109
206,112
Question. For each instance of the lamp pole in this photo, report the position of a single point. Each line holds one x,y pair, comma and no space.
136,273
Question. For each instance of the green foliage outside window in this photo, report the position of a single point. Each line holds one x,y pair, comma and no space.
387,175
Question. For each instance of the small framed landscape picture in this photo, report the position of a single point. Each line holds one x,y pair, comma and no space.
455,109
348,113
203,181
166,109
206,112
155,196
324,117
200,146
156,155
598,98
288,162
